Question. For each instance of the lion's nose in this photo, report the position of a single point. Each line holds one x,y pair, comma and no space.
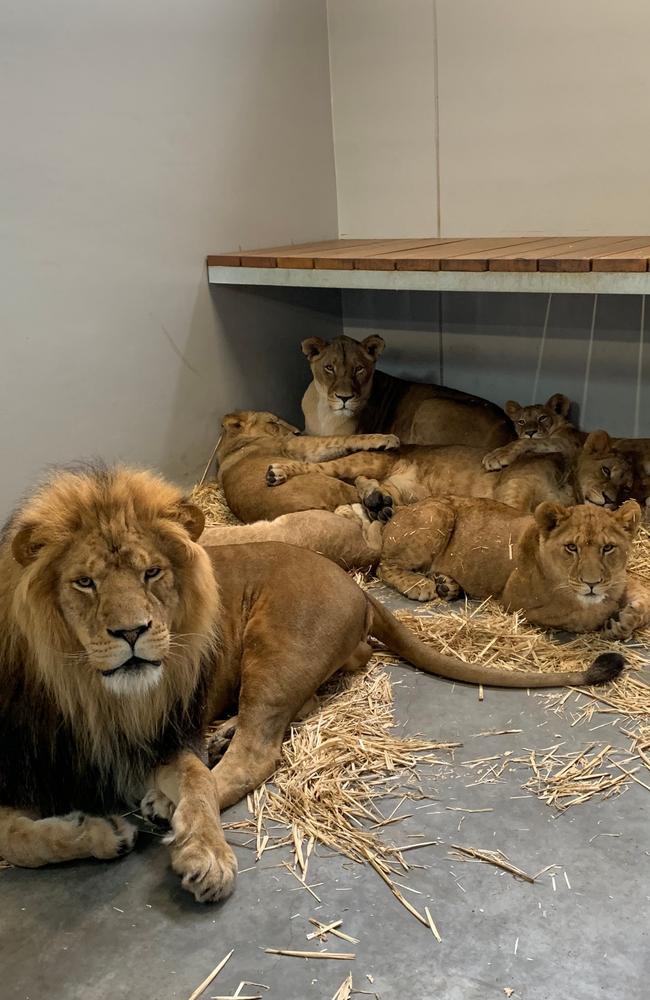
130,635
530,434
343,399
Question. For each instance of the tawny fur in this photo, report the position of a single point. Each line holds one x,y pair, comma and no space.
102,581
346,537
412,473
347,395
250,441
453,545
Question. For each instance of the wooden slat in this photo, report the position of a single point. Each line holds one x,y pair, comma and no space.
524,256
637,259
580,258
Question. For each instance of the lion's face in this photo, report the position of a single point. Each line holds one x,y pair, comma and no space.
604,476
109,567
246,425
119,600
343,370
585,549
540,419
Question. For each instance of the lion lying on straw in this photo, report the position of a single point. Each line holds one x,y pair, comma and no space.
563,567
121,638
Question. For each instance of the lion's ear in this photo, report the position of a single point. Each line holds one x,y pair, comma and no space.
232,421
629,516
190,517
560,404
512,408
313,346
25,545
597,443
548,515
373,345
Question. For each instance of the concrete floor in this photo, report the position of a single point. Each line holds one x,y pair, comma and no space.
93,931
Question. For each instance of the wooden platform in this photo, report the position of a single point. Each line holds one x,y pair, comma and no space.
550,254
583,264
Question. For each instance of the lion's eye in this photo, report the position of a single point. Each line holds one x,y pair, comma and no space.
359,371
606,471
571,547
543,419
521,422
152,572
608,548
84,582
329,369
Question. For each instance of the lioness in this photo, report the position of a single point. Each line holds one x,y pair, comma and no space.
348,396
121,638
564,567
251,440
411,473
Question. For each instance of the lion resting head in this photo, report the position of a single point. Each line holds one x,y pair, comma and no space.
604,476
242,426
343,369
106,591
587,549
540,419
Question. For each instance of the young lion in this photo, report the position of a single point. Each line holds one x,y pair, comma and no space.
412,473
564,567
544,429
251,440
348,396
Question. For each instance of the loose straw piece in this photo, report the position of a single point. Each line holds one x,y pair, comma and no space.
208,979
345,989
434,929
499,860
341,956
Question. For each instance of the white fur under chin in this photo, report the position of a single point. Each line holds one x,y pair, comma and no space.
132,683
591,598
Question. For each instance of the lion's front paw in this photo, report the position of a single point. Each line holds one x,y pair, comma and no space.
109,836
275,475
498,459
379,505
446,588
624,623
207,870
423,590
383,442
156,808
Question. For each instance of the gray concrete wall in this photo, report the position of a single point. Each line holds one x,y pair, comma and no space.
137,138
526,347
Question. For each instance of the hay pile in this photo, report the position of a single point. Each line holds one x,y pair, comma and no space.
336,768
210,498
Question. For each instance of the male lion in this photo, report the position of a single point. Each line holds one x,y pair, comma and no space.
251,440
121,638
412,473
564,567
348,396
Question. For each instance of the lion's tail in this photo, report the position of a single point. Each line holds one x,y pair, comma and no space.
399,639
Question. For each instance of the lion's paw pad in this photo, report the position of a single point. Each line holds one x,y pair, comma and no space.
275,475
156,808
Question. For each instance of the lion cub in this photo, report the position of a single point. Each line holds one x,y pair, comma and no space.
544,429
564,567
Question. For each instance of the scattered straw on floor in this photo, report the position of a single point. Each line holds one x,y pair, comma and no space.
565,780
336,766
